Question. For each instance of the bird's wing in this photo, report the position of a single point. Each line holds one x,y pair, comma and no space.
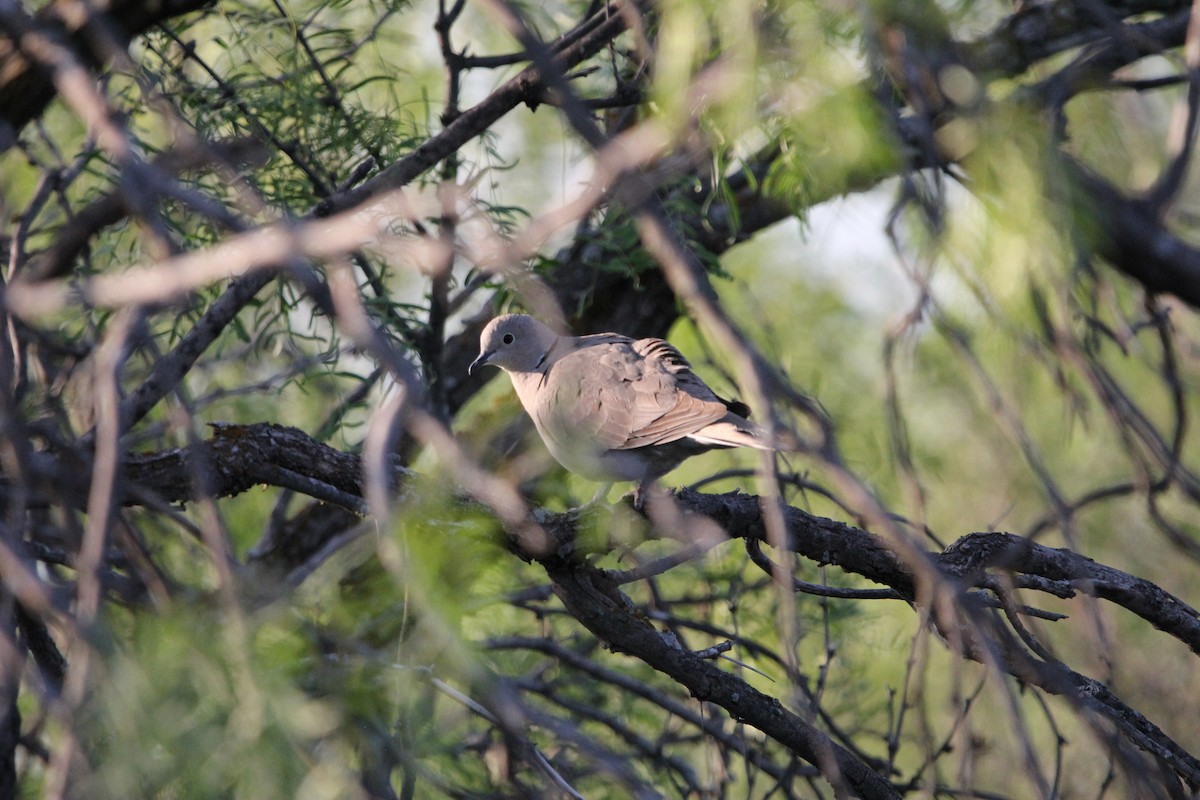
683,405
623,394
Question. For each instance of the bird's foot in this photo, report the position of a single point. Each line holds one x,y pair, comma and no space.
647,492
652,493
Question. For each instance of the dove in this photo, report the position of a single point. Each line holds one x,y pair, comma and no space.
613,408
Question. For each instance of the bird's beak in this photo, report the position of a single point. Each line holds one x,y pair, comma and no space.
482,361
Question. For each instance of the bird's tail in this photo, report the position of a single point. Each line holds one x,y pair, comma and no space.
732,434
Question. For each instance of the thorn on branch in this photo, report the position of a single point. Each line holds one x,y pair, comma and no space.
714,651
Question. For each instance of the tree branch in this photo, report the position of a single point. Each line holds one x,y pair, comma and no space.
593,599
26,88
237,457
583,42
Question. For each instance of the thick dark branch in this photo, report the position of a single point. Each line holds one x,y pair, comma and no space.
827,541
235,458
1040,30
1132,236
26,88
242,456
973,554
10,713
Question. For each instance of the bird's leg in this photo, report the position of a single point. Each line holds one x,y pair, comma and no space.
639,497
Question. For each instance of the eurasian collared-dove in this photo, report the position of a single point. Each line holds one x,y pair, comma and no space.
610,407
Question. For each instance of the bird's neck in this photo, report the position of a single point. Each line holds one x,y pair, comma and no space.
526,385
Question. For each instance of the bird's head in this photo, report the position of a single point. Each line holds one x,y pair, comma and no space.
515,343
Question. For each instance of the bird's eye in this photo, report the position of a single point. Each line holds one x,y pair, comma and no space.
508,338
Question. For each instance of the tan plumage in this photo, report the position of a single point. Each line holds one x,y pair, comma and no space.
610,407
